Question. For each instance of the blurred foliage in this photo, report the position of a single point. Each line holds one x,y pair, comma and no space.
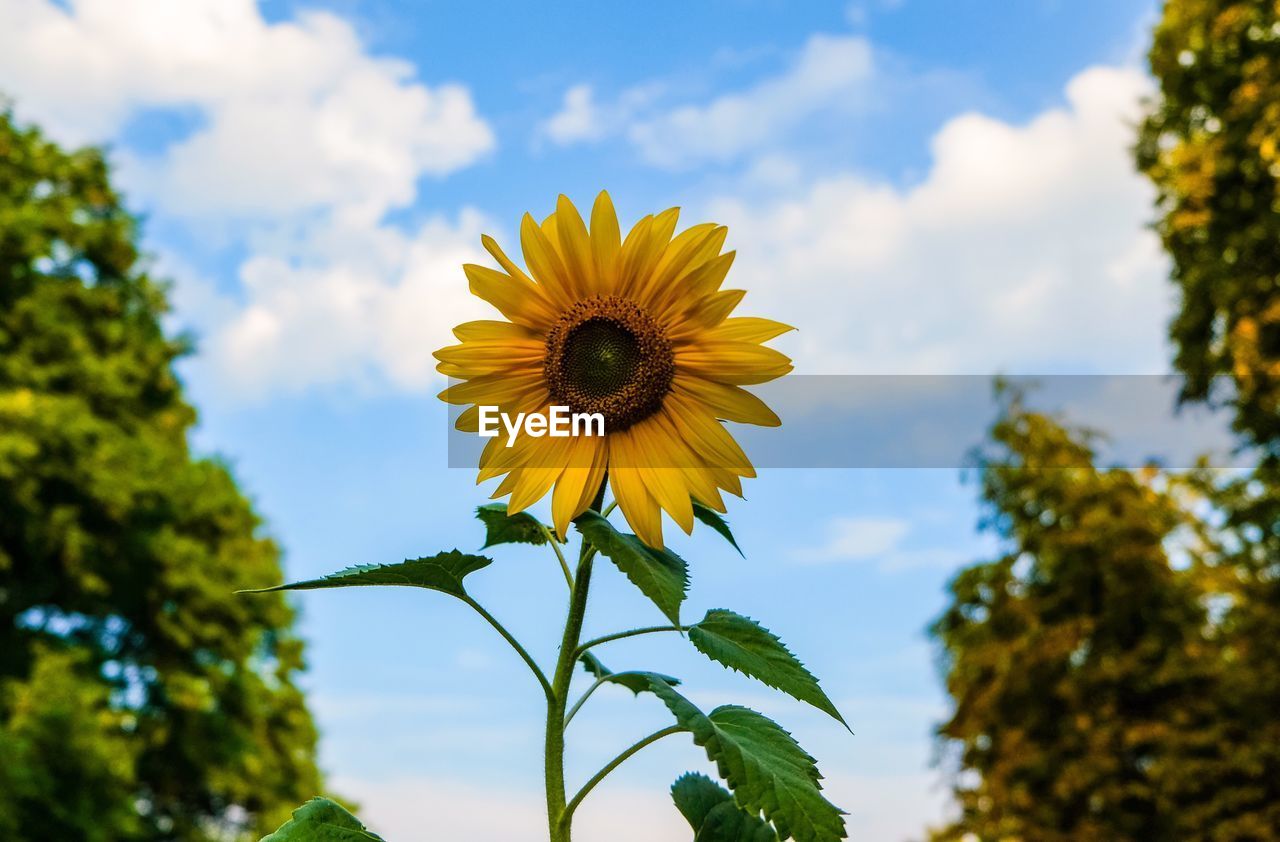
140,698
1211,145
1115,671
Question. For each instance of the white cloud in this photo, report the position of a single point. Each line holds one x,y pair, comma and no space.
858,539
583,118
360,315
1024,249
288,116
299,144
578,119
829,73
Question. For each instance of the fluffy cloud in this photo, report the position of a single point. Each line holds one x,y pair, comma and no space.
1023,249
578,119
297,144
858,538
829,73
367,314
285,117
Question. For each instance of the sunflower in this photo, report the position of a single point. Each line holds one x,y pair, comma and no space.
635,329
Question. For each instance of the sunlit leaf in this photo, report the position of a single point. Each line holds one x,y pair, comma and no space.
501,528
322,820
765,768
742,644
716,521
443,572
660,574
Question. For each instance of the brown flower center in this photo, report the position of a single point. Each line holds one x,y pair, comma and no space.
607,355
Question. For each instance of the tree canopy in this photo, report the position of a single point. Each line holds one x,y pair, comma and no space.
1211,145
140,698
1081,678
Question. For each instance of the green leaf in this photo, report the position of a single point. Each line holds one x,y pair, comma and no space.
765,768
742,644
443,572
716,521
322,820
661,575
711,811
501,528
635,681
728,823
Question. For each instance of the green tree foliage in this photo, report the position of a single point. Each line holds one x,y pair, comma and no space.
1211,145
1085,691
139,697
1240,568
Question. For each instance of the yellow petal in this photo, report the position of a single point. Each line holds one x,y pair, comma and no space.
508,265
468,420
493,389
606,242
579,482
707,436
739,363
749,329
575,247
477,358
545,264
518,299
641,252
638,506
490,330
728,402
661,475
677,259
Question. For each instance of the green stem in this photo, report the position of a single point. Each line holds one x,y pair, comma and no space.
583,700
515,644
625,634
558,821
614,764
593,688
555,547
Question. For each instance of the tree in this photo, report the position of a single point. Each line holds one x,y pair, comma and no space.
1083,687
1211,145
140,698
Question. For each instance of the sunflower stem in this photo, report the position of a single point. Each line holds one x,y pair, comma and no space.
515,644
559,820
555,547
622,635
614,764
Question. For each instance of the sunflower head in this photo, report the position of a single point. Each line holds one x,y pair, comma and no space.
635,331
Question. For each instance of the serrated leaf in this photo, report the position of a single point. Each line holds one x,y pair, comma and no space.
502,528
442,572
660,575
695,795
728,823
713,815
742,644
716,521
765,768
322,820
636,681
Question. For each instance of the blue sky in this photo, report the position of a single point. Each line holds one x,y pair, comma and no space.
920,186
